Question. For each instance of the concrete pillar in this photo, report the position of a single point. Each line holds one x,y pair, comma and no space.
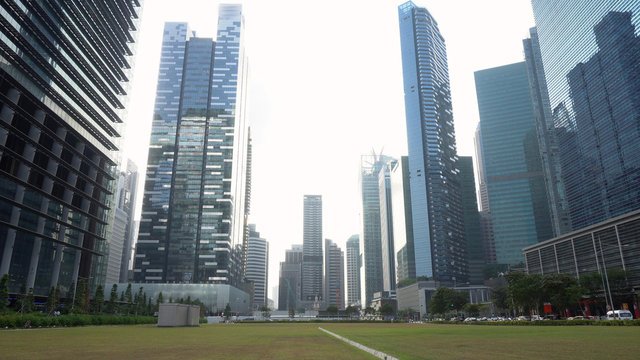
11,233
57,261
37,245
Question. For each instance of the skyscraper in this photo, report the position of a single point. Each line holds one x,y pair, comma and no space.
334,275
438,230
547,139
402,220
290,284
64,70
472,228
193,213
371,239
312,249
591,58
353,270
485,212
386,227
512,166
257,267
123,229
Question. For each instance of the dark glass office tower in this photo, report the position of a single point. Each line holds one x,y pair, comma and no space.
472,228
64,70
515,182
591,57
438,230
547,139
193,213
312,249
289,285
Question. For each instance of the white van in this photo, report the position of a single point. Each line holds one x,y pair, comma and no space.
619,315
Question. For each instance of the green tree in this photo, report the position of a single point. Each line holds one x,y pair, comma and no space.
445,299
499,298
292,312
128,298
159,301
386,309
4,293
524,291
80,304
369,310
98,300
27,302
113,300
332,310
266,312
562,291
473,309
52,301
351,310
227,311
140,302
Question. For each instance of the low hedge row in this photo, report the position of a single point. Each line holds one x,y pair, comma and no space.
15,321
635,322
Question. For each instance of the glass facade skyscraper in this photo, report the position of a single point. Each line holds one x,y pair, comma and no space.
590,52
193,221
333,275
290,282
64,72
257,267
353,270
312,249
402,220
438,230
512,166
386,227
547,139
472,228
371,240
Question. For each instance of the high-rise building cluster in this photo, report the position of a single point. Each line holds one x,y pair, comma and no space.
557,163
310,278
556,150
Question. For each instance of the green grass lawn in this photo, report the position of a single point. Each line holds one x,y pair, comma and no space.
427,341
220,341
305,341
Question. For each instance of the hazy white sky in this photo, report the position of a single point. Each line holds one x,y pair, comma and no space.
325,87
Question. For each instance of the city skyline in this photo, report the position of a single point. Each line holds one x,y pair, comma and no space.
276,108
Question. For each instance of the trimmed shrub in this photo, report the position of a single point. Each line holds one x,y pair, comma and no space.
16,321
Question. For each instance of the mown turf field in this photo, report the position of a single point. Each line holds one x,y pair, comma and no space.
305,341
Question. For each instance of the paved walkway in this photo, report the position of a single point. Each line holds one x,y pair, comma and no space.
376,353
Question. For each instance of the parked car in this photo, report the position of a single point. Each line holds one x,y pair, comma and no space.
619,315
470,319
523,318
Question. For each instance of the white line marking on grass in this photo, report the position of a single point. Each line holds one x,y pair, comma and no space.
376,353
